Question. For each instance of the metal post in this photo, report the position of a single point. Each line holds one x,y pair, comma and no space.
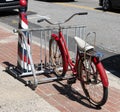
23,62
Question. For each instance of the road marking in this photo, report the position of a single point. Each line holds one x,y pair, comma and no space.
83,7
14,22
38,16
76,6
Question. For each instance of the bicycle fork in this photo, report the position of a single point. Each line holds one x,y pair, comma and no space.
62,50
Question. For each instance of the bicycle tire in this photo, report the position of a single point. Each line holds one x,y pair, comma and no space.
91,82
56,58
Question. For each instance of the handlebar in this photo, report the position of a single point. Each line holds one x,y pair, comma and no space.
58,23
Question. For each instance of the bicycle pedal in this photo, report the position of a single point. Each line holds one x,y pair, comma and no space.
71,80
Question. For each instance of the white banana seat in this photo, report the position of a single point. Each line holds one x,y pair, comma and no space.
84,46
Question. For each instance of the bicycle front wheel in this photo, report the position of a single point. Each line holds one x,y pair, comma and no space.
91,82
56,58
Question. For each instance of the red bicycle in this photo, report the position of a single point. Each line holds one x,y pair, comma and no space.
87,67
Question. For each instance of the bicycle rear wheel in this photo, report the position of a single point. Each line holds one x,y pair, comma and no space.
56,58
91,82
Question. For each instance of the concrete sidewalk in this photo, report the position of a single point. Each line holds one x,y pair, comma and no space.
16,97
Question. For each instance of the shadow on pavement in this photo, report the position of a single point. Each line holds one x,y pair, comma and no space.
14,13
112,10
112,64
74,95
8,13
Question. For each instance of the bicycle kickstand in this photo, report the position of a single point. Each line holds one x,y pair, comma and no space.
71,81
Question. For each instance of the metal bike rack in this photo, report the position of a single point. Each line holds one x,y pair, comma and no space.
43,65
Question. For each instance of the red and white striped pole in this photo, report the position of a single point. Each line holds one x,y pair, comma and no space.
23,62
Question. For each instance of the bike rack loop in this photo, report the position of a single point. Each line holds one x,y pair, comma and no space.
25,66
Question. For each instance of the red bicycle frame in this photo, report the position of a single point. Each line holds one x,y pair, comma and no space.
68,62
64,52
87,67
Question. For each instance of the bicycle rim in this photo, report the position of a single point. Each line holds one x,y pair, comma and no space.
56,58
91,82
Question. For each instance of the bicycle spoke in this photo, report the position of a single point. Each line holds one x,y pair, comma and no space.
56,58
91,82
